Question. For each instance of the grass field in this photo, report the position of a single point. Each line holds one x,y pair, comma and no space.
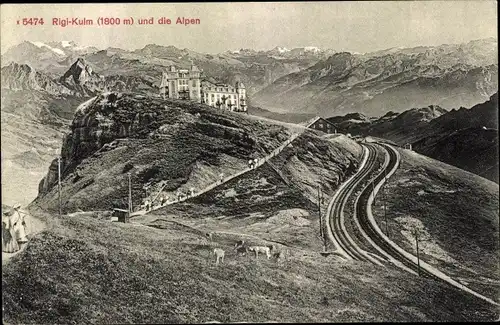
456,213
84,270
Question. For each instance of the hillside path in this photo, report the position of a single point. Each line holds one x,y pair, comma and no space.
210,187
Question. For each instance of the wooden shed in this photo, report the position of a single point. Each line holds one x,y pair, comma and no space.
322,125
121,214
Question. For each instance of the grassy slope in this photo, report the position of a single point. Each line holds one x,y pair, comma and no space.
179,146
457,212
277,200
89,271
472,149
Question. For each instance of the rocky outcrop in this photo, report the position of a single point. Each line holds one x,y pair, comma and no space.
18,77
158,141
82,79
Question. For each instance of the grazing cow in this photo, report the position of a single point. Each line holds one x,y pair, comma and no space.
209,236
241,248
260,249
219,254
280,256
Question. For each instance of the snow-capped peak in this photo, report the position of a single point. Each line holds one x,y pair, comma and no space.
282,49
41,44
66,44
311,49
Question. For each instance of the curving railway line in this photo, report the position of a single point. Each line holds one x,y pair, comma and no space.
369,228
335,225
367,224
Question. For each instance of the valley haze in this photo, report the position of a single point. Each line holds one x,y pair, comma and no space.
150,152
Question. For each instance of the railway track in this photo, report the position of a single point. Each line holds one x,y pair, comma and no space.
366,225
337,229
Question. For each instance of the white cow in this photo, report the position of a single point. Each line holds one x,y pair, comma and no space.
260,249
219,254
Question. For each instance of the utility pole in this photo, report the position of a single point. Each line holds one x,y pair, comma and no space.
321,228
59,183
385,210
319,213
416,234
373,191
129,194
384,196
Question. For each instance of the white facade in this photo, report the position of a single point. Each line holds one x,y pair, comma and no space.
224,96
181,84
186,84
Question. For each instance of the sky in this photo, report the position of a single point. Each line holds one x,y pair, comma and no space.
342,26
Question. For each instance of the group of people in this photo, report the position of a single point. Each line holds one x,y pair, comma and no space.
13,229
164,199
252,163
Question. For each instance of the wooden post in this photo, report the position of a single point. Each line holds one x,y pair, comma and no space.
129,195
385,211
416,234
418,255
319,213
373,191
384,195
59,183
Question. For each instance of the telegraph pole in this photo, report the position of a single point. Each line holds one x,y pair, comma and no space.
416,234
385,211
373,191
59,183
319,213
321,229
384,196
129,194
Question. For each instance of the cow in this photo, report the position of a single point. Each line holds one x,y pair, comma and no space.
219,254
241,248
260,249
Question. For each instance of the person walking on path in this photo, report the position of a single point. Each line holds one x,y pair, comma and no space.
13,233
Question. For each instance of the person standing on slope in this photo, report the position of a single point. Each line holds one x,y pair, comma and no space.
9,242
20,225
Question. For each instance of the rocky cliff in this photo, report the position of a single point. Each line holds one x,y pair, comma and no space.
155,139
83,80
18,77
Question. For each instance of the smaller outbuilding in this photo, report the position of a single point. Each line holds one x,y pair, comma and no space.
121,215
322,125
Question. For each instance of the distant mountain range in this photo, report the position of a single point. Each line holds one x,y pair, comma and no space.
254,68
465,138
43,83
306,80
395,79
